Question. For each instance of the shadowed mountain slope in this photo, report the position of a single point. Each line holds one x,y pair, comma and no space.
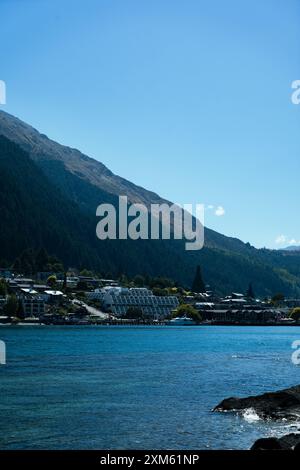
59,188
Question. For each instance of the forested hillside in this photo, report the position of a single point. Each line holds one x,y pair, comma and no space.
48,199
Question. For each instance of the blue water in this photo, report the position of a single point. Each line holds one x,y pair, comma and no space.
139,387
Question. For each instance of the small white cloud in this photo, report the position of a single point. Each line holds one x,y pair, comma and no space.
294,242
281,239
220,211
210,207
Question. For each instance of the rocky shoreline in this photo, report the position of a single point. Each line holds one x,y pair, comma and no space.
280,405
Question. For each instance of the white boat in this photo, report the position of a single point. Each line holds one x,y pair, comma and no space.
181,321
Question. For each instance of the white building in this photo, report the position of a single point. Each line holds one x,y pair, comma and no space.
33,304
118,300
53,296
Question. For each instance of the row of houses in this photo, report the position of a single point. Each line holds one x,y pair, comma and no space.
33,298
235,308
34,303
111,298
239,309
240,316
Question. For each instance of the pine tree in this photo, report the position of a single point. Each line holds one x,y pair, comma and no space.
250,292
65,282
3,288
17,266
198,285
41,259
11,307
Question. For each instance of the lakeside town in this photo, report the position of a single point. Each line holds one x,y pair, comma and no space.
81,298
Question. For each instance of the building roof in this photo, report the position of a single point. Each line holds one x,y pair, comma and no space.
29,291
54,292
240,300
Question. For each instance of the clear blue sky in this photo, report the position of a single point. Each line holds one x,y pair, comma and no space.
189,98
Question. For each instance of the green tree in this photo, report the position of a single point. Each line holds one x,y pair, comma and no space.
51,281
295,314
80,295
11,307
3,288
82,286
17,266
161,282
65,282
124,281
134,313
198,285
27,262
250,292
86,273
186,310
139,280
41,259
277,299
160,292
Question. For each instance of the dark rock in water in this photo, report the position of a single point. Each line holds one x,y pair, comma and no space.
274,405
288,442
270,443
297,447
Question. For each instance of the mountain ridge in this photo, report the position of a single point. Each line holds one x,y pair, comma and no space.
43,149
227,262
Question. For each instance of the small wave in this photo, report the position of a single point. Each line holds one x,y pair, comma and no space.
246,356
289,428
250,415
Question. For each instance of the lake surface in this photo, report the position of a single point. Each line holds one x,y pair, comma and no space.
139,387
